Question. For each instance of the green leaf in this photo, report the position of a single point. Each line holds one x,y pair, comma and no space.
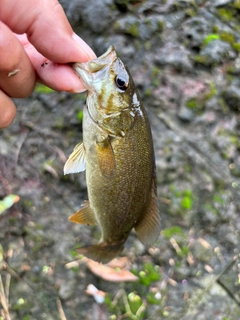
149,274
8,201
135,302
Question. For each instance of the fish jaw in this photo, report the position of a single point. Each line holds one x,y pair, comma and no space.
95,69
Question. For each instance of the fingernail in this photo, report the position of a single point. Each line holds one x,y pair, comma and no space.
84,47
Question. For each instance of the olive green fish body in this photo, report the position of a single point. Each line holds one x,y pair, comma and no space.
119,160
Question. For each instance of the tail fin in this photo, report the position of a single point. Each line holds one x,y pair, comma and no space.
101,252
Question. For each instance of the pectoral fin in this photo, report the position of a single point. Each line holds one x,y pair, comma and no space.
105,157
84,215
76,161
148,229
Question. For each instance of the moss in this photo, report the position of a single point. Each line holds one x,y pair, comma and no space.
225,14
148,92
211,37
227,37
59,123
160,25
80,116
236,46
147,45
211,93
215,29
236,4
191,12
197,104
188,168
192,103
27,203
155,71
116,26
133,30
230,69
201,59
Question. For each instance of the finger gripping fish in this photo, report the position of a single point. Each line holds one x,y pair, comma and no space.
117,153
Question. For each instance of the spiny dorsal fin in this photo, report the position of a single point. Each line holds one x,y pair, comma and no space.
106,157
76,161
84,215
148,229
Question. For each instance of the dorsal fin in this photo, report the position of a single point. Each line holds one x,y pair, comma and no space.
76,161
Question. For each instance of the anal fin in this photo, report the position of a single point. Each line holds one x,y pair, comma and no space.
84,216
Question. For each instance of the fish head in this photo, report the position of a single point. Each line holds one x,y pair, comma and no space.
111,91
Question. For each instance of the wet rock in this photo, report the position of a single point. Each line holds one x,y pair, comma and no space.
235,166
228,279
139,28
232,95
185,114
175,55
174,20
156,6
67,288
97,19
234,67
215,52
195,30
219,3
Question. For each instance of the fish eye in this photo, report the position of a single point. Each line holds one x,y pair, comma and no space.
121,82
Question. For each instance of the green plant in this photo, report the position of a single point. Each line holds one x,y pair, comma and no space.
80,116
8,202
149,274
211,37
41,88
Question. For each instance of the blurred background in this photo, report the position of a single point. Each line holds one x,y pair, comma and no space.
184,58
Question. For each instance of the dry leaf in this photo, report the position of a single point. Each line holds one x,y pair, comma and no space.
122,262
109,273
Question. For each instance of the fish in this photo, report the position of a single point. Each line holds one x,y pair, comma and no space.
118,156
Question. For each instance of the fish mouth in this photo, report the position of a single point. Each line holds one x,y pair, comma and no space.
88,71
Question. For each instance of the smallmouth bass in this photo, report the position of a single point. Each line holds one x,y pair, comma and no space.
117,153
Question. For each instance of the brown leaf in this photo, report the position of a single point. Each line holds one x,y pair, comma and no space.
109,273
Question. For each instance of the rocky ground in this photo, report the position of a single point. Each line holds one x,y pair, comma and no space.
184,58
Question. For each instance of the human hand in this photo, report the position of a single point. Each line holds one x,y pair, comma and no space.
36,44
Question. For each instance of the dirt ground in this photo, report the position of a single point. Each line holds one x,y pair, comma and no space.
184,58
